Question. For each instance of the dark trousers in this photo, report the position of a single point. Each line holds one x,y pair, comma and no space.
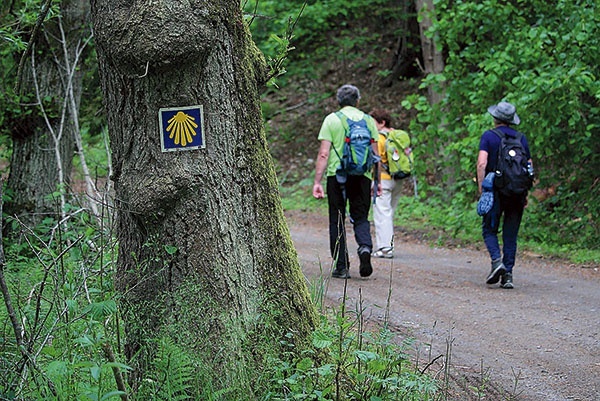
509,211
357,193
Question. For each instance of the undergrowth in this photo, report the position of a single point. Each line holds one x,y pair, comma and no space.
62,336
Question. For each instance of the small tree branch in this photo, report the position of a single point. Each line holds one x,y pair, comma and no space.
108,352
431,363
4,287
32,38
17,328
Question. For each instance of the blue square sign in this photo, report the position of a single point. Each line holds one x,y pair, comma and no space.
181,128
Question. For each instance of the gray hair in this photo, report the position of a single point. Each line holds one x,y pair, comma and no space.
348,95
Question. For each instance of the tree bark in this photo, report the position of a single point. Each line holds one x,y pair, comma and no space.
205,254
43,130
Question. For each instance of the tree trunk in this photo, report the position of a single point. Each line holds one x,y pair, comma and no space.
43,130
406,58
433,58
205,255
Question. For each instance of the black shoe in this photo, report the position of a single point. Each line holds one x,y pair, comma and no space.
340,273
507,282
498,270
365,268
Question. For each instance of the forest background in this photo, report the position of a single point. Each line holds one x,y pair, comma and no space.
542,57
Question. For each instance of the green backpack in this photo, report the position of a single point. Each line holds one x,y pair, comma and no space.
399,165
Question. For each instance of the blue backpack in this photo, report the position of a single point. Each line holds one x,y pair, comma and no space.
357,155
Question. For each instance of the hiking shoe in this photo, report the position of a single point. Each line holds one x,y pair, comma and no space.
340,273
365,268
506,281
498,270
386,253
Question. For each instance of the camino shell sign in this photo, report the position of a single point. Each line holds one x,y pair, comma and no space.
182,128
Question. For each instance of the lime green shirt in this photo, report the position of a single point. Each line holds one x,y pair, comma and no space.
333,131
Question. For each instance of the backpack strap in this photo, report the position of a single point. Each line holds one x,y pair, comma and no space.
344,119
502,135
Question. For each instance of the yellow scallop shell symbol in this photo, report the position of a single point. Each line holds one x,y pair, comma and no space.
182,127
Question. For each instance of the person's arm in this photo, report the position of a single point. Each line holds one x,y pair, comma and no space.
320,167
482,160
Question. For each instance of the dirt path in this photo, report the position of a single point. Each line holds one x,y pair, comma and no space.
540,341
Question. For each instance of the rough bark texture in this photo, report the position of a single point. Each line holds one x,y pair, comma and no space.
39,163
233,288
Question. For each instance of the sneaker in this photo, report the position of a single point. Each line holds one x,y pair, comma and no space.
386,253
340,273
365,268
506,281
498,270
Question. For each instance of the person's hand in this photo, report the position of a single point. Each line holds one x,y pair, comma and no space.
318,191
379,189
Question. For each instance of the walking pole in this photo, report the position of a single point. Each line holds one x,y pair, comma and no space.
376,177
414,179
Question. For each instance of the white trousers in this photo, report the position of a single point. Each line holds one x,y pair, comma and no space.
384,211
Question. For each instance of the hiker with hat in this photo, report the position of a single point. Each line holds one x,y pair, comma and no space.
509,199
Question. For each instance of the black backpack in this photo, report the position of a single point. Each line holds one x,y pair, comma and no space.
513,175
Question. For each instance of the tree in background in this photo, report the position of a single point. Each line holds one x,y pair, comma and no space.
433,59
41,98
205,256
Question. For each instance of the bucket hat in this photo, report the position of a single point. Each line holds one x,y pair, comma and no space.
505,112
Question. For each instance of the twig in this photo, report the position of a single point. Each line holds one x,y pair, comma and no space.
431,363
32,39
290,108
108,352
18,330
146,72
7,300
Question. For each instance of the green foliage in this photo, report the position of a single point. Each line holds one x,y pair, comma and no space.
171,375
346,363
326,30
68,313
544,58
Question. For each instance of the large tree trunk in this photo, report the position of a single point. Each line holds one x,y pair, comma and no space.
43,131
205,254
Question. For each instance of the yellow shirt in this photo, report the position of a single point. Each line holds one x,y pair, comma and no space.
383,154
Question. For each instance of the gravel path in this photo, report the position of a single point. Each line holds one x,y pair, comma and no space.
540,341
